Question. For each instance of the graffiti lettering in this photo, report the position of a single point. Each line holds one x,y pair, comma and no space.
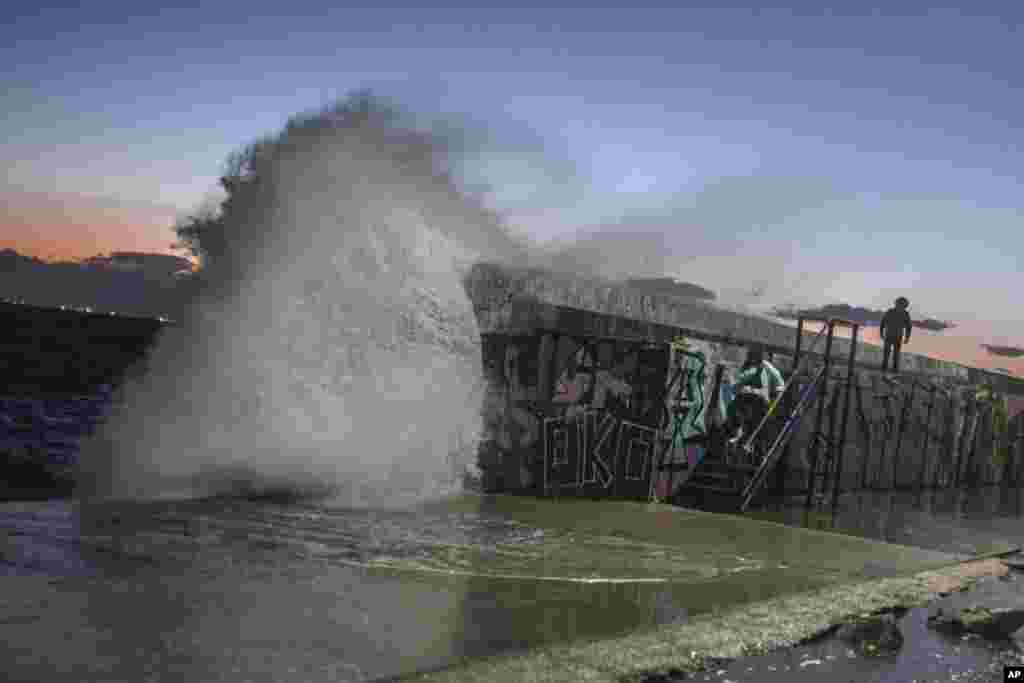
639,441
595,469
559,446
597,450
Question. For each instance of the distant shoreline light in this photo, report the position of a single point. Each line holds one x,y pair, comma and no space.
82,309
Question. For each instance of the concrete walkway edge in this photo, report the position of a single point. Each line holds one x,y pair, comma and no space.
743,631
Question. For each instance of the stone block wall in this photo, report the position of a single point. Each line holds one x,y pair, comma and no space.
491,287
954,443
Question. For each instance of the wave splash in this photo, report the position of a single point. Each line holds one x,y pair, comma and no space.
333,349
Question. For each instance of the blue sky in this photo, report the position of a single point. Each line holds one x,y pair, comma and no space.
833,155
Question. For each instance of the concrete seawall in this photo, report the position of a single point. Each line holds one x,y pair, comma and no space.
538,295
49,351
925,428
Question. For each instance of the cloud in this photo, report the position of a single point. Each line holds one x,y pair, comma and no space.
723,230
1004,351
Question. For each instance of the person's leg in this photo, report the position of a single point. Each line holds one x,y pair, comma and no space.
896,355
746,410
737,417
886,349
756,410
761,410
731,420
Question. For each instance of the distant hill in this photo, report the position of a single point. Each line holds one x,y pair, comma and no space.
1006,351
151,264
11,260
858,314
130,283
667,286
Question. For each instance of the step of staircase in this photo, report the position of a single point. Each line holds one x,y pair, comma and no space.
717,484
724,490
714,475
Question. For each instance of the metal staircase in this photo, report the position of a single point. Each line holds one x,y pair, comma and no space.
717,481
730,477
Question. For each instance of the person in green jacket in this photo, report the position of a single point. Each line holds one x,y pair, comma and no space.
757,383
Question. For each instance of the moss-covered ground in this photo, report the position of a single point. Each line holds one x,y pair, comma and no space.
747,586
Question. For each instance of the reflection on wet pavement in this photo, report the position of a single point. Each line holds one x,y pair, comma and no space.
964,522
233,590
925,656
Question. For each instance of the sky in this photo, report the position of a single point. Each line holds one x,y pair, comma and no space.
794,154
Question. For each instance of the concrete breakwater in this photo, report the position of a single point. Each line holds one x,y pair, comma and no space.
50,351
332,593
935,424
929,427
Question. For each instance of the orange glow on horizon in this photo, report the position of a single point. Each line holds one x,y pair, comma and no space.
53,227
71,227
57,252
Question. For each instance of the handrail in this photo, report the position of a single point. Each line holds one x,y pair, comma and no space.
748,445
776,448
832,321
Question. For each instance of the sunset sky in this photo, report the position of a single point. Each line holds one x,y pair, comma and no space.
816,156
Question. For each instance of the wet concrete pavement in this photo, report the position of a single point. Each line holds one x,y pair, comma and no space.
232,590
925,656
967,523
963,522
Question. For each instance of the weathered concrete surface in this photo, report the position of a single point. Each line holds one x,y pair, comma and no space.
275,592
53,351
758,547
925,428
878,633
529,298
672,651
993,608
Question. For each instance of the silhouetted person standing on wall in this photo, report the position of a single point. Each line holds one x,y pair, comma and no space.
895,332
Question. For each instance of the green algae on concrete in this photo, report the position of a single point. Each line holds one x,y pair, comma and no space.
730,585
976,618
750,629
688,544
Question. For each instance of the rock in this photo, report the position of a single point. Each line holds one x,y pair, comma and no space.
941,617
871,636
1018,638
1008,620
472,477
489,454
992,608
975,618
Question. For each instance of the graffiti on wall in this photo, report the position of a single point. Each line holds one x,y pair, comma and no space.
598,452
511,425
565,411
687,401
607,400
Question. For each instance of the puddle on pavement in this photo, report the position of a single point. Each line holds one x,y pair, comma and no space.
385,592
337,594
925,655
963,522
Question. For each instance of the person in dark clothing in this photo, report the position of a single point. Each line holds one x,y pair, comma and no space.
757,383
895,332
